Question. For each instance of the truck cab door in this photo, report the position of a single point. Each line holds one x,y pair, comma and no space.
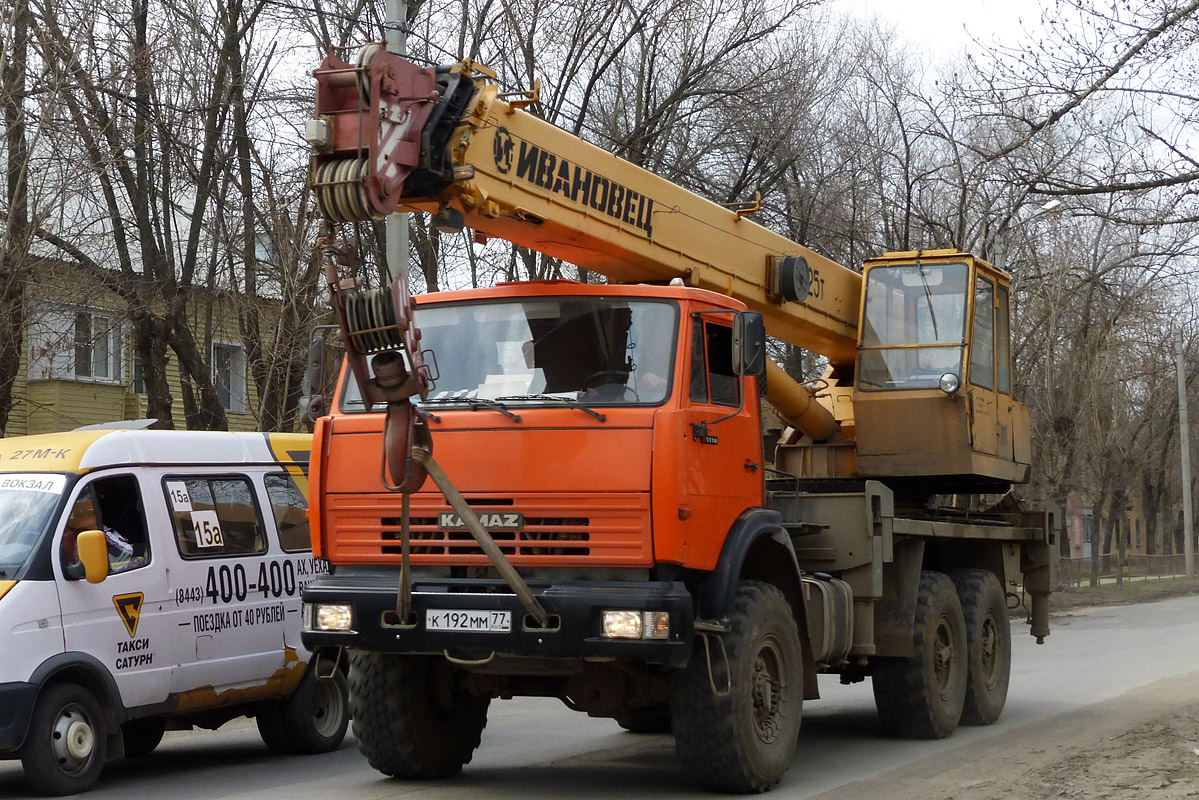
720,459
124,622
981,389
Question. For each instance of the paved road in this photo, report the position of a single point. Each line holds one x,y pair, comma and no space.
537,748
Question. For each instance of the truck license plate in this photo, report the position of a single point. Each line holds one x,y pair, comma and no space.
459,619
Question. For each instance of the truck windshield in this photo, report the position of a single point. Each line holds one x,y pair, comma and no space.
27,502
591,350
913,326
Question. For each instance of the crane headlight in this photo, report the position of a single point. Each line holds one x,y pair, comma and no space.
949,383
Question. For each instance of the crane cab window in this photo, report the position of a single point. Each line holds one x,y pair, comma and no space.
913,325
1003,352
712,377
982,347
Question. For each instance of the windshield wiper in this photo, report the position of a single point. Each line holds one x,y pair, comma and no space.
928,294
474,403
566,401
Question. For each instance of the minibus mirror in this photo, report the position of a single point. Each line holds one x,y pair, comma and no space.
93,553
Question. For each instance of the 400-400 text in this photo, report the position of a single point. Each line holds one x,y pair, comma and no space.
228,583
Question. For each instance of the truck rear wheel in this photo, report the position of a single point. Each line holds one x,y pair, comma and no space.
66,744
736,725
988,644
412,715
312,720
921,697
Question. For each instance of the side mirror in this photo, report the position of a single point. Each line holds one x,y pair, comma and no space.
93,554
749,343
312,403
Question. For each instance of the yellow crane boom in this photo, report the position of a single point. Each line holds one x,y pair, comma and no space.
517,177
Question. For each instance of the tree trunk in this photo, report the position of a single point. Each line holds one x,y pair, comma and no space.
150,335
14,242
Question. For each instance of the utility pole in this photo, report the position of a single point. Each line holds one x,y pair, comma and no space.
395,231
1184,442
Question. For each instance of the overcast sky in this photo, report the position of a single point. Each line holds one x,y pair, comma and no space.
943,24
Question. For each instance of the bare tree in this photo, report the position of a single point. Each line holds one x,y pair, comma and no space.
15,235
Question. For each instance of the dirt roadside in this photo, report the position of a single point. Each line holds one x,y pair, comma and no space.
1109,594
1143,744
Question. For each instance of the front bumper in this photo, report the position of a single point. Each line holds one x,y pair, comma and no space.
16,708
574,606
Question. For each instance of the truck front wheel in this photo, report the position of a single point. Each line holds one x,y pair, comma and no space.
66,744
412,716
988,644
736,708
921,697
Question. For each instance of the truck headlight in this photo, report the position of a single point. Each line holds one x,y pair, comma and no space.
334,617
949,383
636,624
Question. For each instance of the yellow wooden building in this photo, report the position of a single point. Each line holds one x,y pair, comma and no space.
78,364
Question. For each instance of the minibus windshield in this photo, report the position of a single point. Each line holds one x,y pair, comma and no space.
27,503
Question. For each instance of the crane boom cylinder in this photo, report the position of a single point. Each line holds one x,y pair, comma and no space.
796,404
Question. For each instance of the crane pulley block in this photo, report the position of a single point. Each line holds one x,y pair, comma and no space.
366,136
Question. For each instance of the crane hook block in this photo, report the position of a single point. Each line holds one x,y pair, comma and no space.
371,115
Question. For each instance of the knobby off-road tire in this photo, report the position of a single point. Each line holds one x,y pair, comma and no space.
412,717
648,719
988,644
921,697
313,719
66,744
743,740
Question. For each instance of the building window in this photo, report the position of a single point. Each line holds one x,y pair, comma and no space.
75,344
97,346
138,384
229,375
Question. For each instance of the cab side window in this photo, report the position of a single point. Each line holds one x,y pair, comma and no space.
214,516
712,378
291,513
112,505
982,349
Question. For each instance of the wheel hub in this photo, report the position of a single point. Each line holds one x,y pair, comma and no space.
943,656
766,691
989,650
73,740
325,707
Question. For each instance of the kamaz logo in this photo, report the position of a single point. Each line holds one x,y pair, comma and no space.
497,520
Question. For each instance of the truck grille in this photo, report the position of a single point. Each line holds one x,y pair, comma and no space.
541,536
563,530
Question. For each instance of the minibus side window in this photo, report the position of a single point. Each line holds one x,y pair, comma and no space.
112,505
291,513
214,516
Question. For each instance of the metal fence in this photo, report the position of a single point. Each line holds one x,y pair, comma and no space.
1077,571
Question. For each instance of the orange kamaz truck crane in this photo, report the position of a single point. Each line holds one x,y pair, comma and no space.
571,496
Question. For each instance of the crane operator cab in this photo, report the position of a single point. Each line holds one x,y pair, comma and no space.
933,395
